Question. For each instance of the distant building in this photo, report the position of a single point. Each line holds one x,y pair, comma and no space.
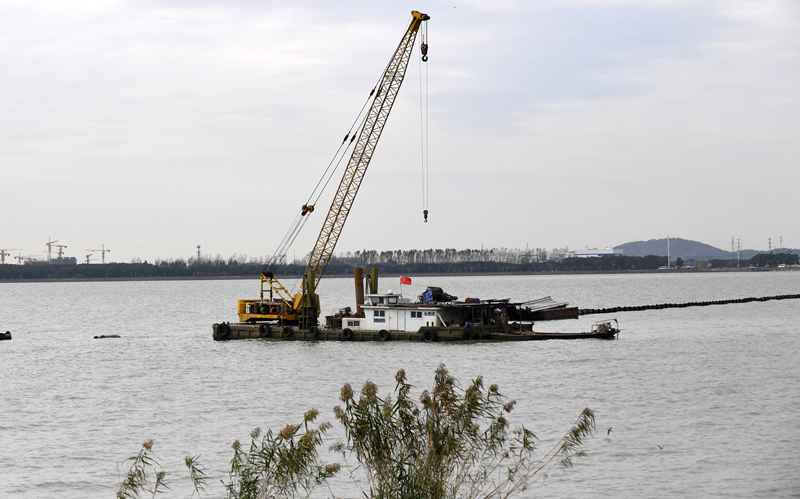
594,252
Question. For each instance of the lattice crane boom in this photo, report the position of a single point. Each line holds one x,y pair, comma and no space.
303,308
365,146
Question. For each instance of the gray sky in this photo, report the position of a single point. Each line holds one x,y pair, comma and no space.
155,126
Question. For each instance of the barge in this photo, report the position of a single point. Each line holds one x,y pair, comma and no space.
435,316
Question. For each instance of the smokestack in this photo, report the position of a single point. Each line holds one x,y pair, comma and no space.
359,276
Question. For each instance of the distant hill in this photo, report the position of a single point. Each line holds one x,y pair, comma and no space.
686,249
678,248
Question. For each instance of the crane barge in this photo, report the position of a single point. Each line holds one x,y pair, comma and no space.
277,313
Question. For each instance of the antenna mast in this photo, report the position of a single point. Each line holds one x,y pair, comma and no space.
739,252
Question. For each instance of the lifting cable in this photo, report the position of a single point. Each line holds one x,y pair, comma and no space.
423,119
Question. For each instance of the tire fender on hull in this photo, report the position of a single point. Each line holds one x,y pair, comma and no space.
223,331
428,335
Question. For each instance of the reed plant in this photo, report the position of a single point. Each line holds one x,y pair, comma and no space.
452,442
144,475
280,465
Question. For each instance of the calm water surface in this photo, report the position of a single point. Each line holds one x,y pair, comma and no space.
716,387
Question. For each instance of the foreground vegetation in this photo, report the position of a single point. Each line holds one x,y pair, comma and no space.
233,268
453,443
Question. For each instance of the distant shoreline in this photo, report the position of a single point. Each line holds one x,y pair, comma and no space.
461,274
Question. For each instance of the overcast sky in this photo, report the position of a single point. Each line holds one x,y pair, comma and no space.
152,127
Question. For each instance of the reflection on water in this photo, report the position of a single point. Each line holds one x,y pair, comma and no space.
715,387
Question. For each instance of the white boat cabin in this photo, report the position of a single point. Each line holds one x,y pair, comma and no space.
394,312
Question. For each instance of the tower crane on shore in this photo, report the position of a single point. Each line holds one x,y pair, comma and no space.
61,248
50,245
20,258
102,251
5,252
303,307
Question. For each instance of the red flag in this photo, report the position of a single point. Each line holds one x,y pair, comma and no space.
405,280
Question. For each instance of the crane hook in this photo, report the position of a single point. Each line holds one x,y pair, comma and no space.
424,49
425,214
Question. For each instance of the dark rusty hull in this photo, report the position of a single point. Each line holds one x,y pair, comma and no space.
529,336
240,331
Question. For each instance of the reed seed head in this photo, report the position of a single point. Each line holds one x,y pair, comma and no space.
347,393
387,407
425,398
370,390
288,431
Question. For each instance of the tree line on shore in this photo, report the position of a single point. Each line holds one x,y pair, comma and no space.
407,263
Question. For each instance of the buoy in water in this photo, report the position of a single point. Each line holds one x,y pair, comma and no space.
5,336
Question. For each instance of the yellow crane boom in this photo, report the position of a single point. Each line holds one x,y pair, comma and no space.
365,146
304,307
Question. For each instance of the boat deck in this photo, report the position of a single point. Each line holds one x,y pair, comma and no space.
236,331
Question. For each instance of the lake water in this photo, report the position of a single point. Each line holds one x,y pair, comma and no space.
717,387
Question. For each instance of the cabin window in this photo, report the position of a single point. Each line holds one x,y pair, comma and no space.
379,320
354,323
430,314
392,300
416,315
379,313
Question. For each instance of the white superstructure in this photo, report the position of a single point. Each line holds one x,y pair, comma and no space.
393,312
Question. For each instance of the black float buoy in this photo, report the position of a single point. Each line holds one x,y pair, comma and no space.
5,336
